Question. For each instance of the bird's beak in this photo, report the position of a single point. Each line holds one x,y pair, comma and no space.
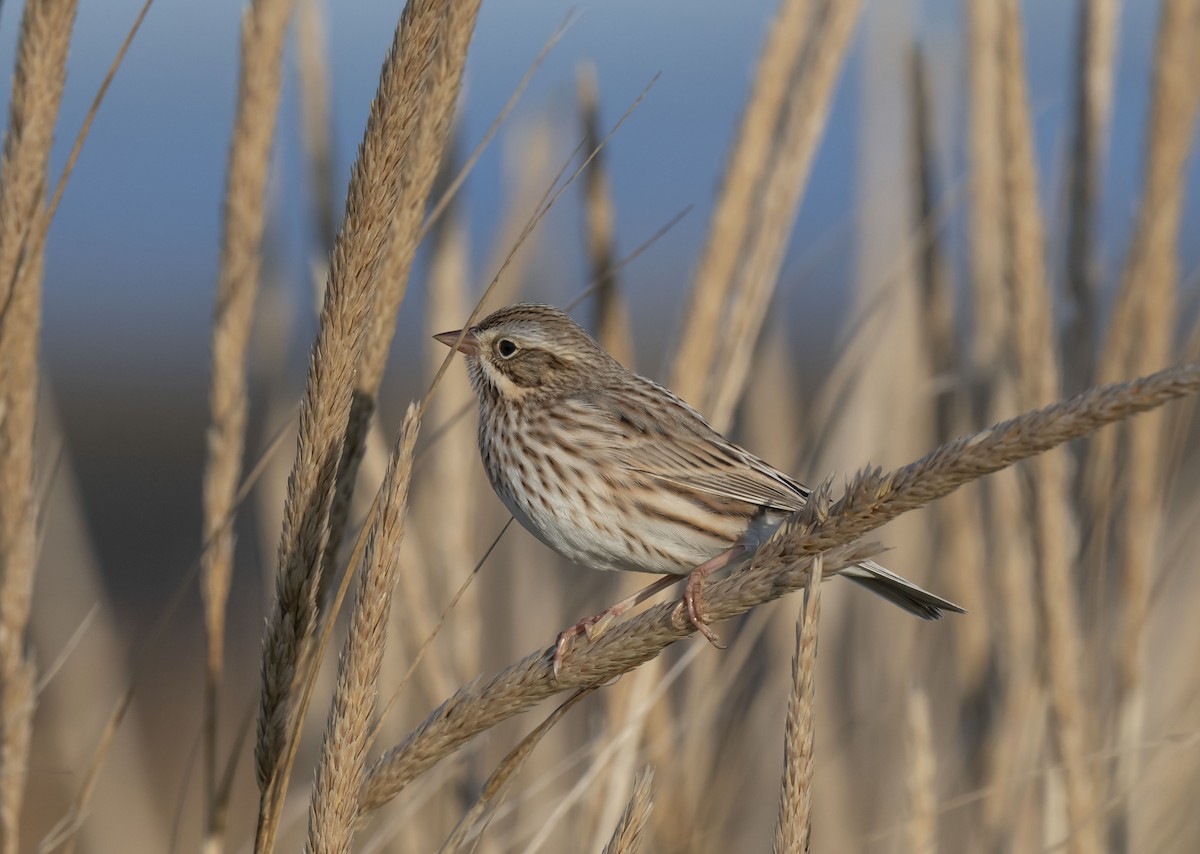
469,343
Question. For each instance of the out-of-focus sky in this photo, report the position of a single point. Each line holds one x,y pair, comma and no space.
132,255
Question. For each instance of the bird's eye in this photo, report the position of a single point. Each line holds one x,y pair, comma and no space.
506,347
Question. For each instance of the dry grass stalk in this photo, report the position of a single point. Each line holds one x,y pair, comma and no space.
452,519
993,383
38,79
1151,282
631,718
402,85
1034,352
987,210
334,804
264,28
1093,94
793,827
431,69
937,288
627,835
959,549
505,771
1173,102
779,567
922,776
312,65
732,218
418,170
612,315
778,200
326,409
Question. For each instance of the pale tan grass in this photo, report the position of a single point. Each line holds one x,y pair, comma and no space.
793,827
1038,383
312,66
611,313
987,211
780,566
627,835
732,218
45,34
959,548
334,804
450,513
607,748
1168,142
1095,59
419,45
993,386
450,192
778,200
627,707
888,248
417,172
512,763
1151,283
922,775
326,410
264,27
527,154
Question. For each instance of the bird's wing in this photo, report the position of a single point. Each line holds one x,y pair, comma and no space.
658,435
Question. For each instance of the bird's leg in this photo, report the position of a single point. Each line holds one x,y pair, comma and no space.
587,626
693,594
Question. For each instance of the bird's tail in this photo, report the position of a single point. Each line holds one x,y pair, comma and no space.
898,591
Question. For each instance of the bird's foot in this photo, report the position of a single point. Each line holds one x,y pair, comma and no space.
693,593
693,604
594,626
590,627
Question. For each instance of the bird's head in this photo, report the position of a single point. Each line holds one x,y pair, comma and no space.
529,350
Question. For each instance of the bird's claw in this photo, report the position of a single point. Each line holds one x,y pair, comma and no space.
693,600
590,627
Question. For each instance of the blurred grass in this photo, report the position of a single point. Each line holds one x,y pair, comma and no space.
1042,719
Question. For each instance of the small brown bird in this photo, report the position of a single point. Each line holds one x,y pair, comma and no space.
613,471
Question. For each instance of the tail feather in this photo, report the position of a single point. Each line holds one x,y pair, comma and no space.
883,582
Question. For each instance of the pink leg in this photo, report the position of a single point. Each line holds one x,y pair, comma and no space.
585,626
693,595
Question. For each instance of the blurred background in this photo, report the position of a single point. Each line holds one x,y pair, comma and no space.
131,263
129,289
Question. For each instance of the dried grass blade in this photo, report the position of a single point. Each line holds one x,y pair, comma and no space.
627,835
1038,383
45,34
1095,59
1151,283
732,217
793,827
326,410
334,803
314,73
509,766
264,28
922,776
611,314
779,195
429,104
